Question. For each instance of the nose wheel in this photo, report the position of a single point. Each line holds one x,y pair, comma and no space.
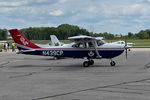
112,63
88,63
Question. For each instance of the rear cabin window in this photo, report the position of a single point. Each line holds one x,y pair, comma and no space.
79,45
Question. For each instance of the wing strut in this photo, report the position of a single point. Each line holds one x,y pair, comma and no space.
94,44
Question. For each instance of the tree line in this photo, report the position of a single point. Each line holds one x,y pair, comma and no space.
3,34
62,32
65,30
143,34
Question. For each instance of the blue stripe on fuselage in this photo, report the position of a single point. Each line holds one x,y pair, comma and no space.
20,47
78,53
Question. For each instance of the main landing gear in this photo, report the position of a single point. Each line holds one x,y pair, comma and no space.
91,62
88,63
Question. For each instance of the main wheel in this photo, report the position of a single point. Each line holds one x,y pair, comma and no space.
129,49
91,62
112,63
86,64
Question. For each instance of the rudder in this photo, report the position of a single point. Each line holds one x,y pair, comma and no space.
21,41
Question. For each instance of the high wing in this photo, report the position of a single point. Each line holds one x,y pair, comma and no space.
84,38
81,38
99,38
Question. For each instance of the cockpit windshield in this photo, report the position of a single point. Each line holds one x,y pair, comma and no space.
100,42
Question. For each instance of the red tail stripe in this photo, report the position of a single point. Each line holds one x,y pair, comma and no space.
19,38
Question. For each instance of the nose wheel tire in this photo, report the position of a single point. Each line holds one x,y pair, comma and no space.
112,63
86,64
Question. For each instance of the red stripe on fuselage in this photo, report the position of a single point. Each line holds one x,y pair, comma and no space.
20,39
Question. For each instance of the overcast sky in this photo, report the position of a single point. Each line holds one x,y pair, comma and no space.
115,16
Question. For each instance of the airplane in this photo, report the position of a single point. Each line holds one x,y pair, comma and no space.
129,44
55,41
85,47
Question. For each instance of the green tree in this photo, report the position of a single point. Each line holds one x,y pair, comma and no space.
62,32
3,34
143,35
130,35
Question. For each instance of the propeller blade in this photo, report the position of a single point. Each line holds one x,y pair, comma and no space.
126,51
125,43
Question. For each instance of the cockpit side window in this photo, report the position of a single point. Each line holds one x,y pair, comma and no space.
90,44
83,45
79,45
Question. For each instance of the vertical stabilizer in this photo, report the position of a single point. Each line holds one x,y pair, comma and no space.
21,41
55,41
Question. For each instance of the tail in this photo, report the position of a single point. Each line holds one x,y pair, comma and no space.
55,41
21,41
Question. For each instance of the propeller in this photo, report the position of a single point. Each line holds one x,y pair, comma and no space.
126,51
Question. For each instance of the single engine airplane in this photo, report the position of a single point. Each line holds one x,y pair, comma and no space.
85,47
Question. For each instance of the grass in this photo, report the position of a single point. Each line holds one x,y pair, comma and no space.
1,46
145,43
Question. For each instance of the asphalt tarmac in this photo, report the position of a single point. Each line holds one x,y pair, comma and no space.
26,77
